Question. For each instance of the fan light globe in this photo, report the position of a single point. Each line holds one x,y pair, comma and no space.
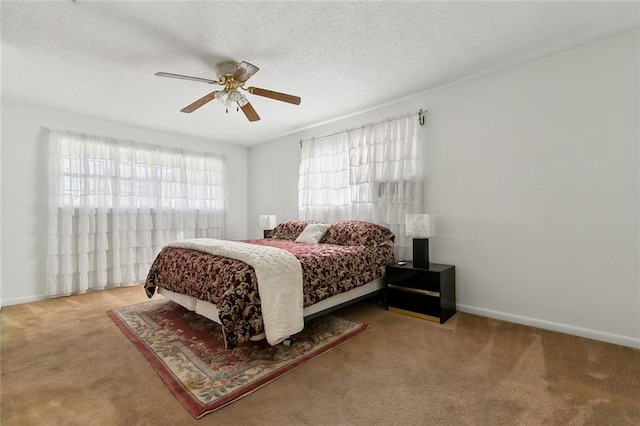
222,96
235,96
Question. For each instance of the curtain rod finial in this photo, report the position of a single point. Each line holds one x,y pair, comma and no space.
421,115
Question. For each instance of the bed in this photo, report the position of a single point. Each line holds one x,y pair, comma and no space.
338,264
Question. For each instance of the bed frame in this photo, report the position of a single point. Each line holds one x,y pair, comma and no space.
209,310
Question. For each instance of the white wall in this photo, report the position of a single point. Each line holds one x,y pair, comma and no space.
25,193
273,182
532,173
1,208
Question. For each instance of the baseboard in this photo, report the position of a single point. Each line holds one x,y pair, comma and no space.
553,326
26,299
36,298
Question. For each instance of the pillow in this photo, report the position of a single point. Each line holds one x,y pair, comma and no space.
357,233
312,233
289,230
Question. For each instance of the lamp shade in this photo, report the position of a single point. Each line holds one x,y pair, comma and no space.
268,221
420,225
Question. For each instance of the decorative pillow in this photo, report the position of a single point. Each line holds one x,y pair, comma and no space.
357,233
312,233
289,230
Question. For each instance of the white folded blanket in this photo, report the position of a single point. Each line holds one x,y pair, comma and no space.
279,277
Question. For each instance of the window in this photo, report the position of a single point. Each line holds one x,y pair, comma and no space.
371,173
114,204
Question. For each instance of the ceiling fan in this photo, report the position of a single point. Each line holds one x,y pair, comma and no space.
233,75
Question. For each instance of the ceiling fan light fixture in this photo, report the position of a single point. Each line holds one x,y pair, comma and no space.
232,76
237,97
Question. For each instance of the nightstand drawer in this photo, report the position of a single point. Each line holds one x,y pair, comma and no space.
412,278
416,302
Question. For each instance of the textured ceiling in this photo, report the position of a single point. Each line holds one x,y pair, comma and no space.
99,58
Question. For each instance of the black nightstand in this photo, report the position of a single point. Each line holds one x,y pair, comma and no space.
427,293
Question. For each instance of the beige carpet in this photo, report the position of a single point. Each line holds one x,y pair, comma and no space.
64,362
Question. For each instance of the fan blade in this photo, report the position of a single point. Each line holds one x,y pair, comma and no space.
251,113
275,95
245,71
197,104
185,77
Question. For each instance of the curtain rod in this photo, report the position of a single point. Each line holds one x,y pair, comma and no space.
421,117
147,145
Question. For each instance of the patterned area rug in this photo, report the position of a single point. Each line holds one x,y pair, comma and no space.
187,351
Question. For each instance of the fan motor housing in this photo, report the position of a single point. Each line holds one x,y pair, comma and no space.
225,67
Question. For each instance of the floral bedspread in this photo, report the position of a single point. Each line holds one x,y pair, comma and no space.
231,285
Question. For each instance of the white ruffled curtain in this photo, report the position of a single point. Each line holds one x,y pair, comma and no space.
372,173
114,204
